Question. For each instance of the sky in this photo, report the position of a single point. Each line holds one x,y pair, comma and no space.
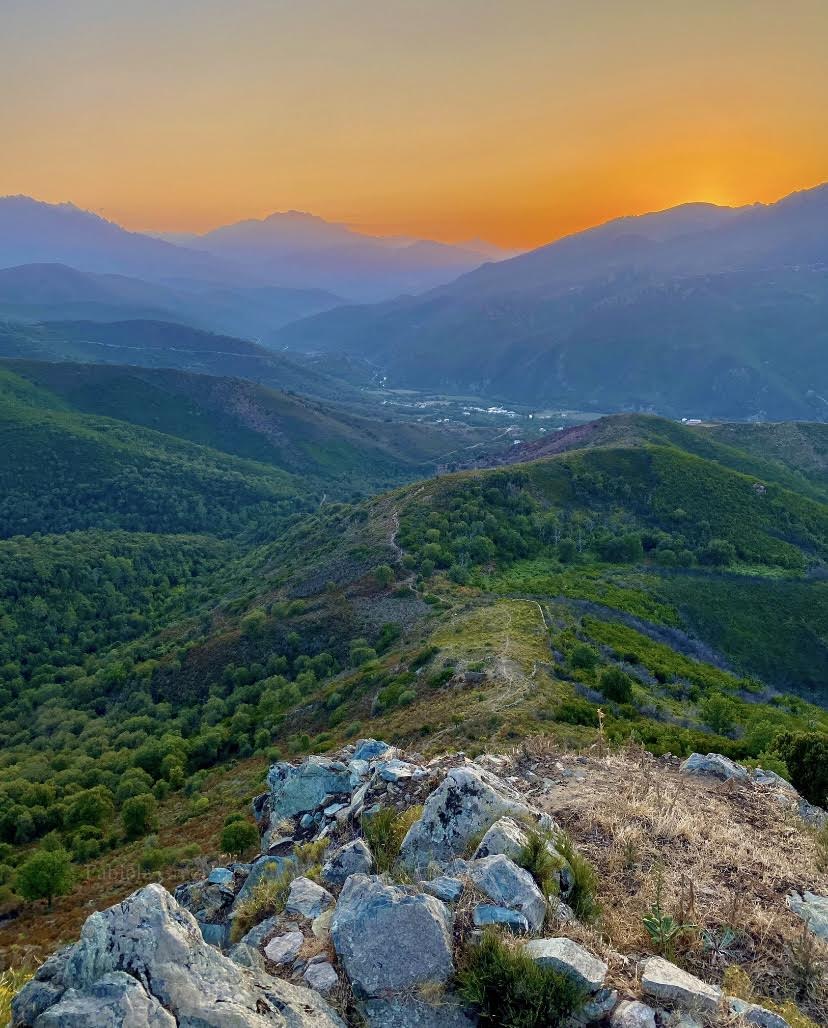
516,121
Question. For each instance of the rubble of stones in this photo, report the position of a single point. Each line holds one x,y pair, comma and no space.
355,943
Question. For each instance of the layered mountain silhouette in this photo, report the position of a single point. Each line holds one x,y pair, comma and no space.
698,311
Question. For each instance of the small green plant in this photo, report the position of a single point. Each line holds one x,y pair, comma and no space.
267,899
542,865
664,930
384,832
583,898
509,989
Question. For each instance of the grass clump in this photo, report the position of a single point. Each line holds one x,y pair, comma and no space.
537,858
583,898
384,832
510,990
12,981
267,899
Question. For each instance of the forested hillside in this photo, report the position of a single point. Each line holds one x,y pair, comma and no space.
196,609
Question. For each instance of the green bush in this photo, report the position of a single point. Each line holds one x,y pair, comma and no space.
583,898
238,837
46,874
583,657
139,815
616,686
510,990
806,756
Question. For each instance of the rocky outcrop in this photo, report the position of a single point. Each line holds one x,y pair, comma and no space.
509,886
150,939
390,938
668,983
570,959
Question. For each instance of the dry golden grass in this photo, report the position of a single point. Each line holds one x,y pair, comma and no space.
723,857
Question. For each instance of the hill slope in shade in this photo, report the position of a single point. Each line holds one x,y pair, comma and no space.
700,314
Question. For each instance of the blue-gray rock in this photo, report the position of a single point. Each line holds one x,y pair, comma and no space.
670,984
505,836
389,938
813,910
509,886
214,934
156,942
464,805
301,789
321,977
247,956
752,1013
307,899
484,914
221,876
259,933
284,949
413,1012
714,765
370,749
396,770
350,859
445,888
571,959
116,999
633,1014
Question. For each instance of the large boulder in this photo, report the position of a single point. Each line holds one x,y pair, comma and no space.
116,999
668,983
156,942
389,938
714,765
569,958
466,803
307,899
352,859
509,886
299,789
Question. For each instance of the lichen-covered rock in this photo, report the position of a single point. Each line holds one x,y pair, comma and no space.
155,941
351,859
633,1014
414,1012
813,910
466,803
307,899
484,914
116,1000
666,982
571,959
247,956
505,836
389,938
298,789
714,765
752,1013
509,886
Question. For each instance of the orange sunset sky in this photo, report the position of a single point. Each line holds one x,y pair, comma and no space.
514,121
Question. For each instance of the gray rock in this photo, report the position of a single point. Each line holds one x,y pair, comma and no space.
301,789
221,876
257,935
666,982
307,899
506,837
321,977
813,910
633,1014
816,817
390,938
351,859
598,1007
247,956
571,959
155,941
467,802
370,749
116,1000
444,887
35,997
284,949
399,770
509,886
485,914
752,1013
214,934
714,765
763,777
306,821
411,1012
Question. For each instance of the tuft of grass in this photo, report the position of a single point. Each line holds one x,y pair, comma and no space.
384,833
536,858
584,895
737,983
12,981
267,898
510,990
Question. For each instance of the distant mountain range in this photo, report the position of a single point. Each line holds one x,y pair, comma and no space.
290,251
695,311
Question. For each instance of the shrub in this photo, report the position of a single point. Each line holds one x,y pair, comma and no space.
616,686
576,712
537,859
806,755
139,815
384,575
510,989
719,713
583,897
238,837
384,833
45,875
583,657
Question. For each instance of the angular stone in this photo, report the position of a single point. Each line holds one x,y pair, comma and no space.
466,803
221,876
571,959
485,914
299,789
509,886
714,765
157,942
257,935
633,1014
445,888
399,770
389,938
321,926
752,1013
265,869
506,837
284,949
116,999
214,934
813,910
598,1007
370,749
321,976
247,956
353,858
666,982
307,898
411,1012
35,997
